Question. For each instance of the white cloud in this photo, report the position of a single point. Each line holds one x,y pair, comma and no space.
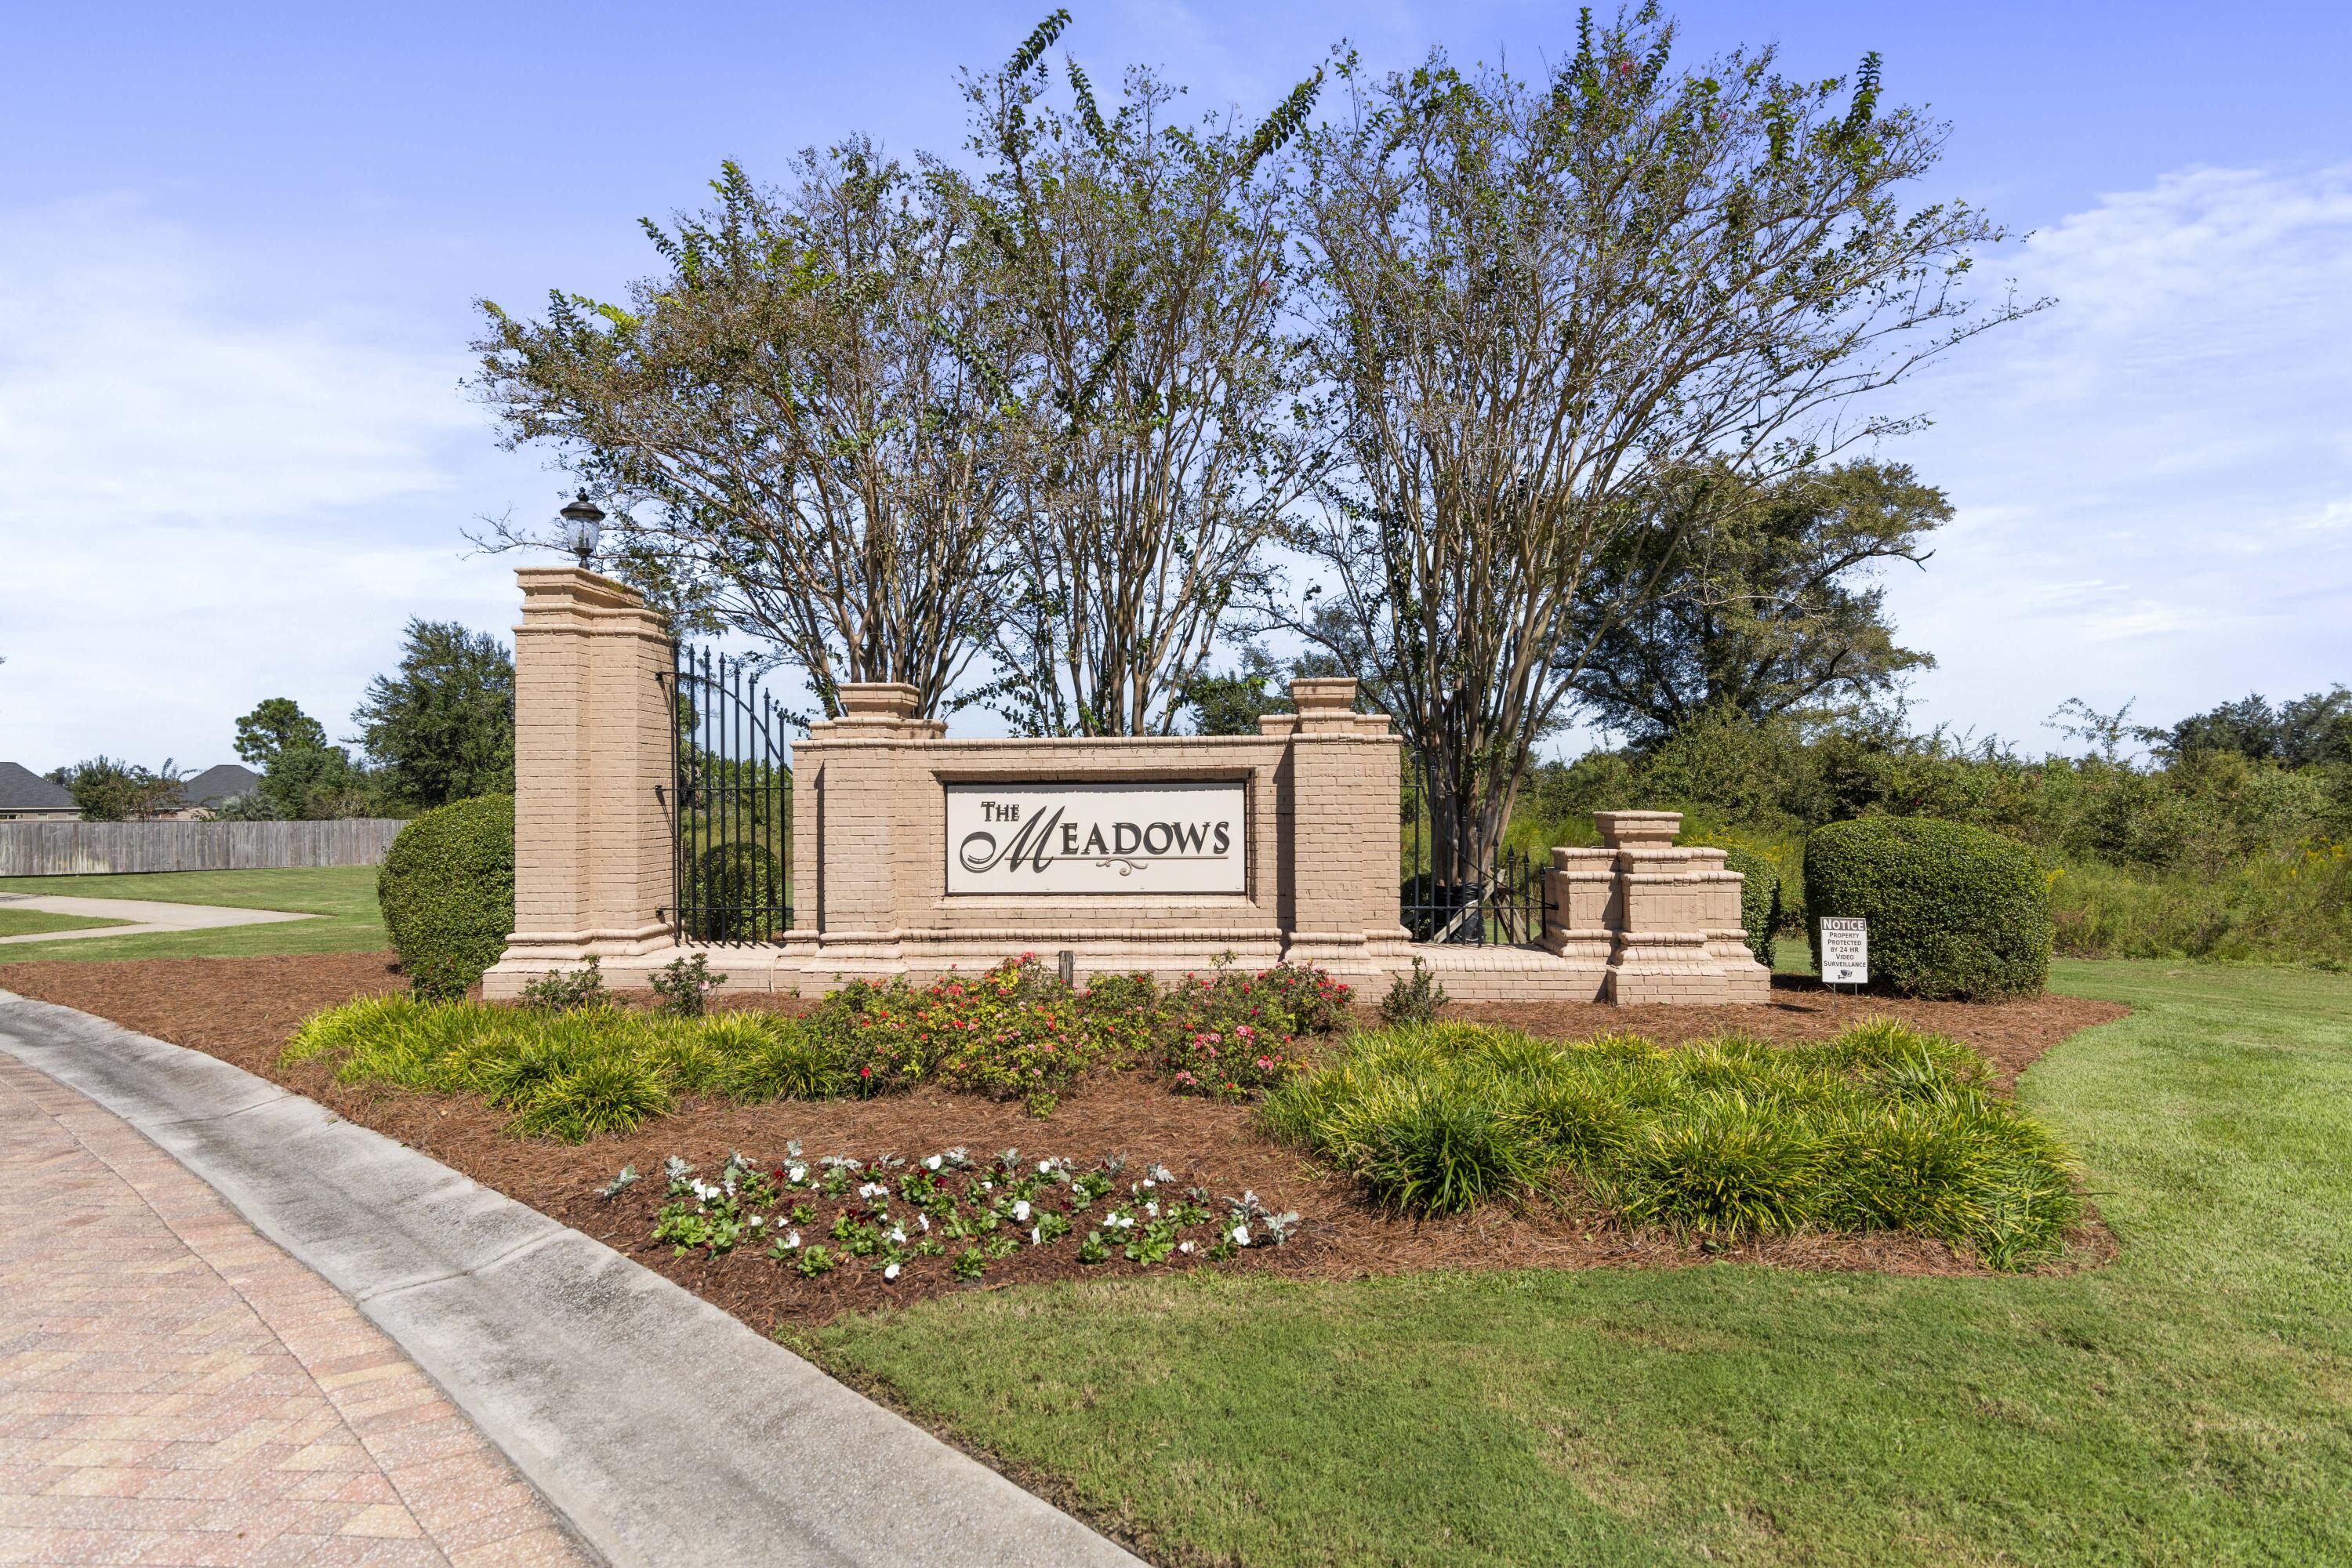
209,495
2152,476
131,379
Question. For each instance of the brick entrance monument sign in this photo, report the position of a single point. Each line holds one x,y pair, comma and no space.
917,854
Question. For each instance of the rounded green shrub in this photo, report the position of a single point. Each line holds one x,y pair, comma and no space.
740,889
1954,911
447,892
1759,900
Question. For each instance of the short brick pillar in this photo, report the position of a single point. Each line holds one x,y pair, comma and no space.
593,766
1662,918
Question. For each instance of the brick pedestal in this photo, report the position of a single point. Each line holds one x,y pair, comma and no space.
1658,922
592,741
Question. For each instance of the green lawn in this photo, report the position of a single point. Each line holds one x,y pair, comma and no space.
17,922
2190,1404
343,894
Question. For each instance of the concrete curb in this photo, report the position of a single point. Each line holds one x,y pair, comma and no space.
664,1430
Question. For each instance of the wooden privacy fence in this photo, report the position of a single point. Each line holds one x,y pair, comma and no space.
66,848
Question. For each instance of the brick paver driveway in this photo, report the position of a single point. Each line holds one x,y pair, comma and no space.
173,1389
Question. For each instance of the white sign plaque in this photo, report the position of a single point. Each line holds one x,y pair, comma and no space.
1158,837
1845,950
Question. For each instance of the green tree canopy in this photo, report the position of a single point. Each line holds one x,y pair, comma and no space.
303,776
442,727
799,424
1765,603
275,727
1143,257
2308,730
1544,304
111,791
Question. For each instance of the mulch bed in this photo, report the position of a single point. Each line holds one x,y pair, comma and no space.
241,1009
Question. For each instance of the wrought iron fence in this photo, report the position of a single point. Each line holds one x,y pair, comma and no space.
731,804
1503,906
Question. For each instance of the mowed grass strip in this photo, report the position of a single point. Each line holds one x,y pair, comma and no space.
2191,1403
17,922
342,896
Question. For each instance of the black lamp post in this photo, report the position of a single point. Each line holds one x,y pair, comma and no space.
581,527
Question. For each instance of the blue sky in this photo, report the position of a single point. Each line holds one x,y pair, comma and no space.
239,244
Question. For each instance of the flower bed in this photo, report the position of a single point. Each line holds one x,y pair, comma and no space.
948,1214
1884,1128
577,1065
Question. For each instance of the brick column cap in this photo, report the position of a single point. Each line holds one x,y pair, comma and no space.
877,699
1638,829
1312,693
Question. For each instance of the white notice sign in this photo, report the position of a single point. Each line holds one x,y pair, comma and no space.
1158,837
1845,950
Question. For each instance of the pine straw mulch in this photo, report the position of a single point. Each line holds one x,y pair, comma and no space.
241,1009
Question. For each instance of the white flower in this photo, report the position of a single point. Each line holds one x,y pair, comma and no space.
871,1189
891,1272
796,1173
1241,1236
756,1220
1183,1246
898,1235
1021,1209
1152,1209
1044,1167
1149,1181
1036,1235
793,1240
924,1220
987,1187
932,1163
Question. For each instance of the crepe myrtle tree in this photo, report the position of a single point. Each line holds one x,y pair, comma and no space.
1552,310
1144,257
799,422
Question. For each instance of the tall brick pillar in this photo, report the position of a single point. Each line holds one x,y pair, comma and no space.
593,766
858,849
1345,773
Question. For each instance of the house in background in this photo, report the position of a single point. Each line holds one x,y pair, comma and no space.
215,786
27,797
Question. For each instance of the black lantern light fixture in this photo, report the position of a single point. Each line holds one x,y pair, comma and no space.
582,526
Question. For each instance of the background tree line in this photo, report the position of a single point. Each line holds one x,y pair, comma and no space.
1514,396
439,728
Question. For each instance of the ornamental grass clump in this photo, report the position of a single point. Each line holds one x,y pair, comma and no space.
1884,1128
569,1075
572,1062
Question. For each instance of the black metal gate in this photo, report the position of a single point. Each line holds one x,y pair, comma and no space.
731,804
1503,906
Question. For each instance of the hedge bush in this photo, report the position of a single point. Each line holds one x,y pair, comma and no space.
1759,900
447,892
739,885
1954,911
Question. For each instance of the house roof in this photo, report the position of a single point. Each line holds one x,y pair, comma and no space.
22,789
216,784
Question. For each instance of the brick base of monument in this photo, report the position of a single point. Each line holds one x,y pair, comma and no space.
1641,921
1304,866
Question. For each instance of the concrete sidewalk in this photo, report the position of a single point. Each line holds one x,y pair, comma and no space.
143,915
175,1390
662,1429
